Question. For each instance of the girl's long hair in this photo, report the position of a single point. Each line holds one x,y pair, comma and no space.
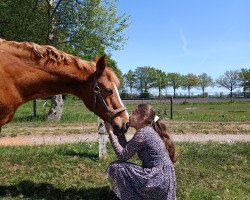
148,114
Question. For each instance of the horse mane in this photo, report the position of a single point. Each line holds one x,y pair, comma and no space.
44,54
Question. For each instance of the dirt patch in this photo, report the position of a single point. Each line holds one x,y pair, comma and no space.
74,138
174,127
71,133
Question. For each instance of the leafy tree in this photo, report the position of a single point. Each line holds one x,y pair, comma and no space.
245,77
229,80
146,77
89,27
174,80
129,80
204,81
84,27
160,80
189,81
22,21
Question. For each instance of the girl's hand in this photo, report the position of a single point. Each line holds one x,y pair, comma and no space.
109,128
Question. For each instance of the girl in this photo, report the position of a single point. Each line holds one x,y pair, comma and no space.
155,179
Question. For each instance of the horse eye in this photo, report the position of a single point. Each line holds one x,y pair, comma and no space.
108,90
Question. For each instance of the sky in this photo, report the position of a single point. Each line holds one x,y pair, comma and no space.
186,36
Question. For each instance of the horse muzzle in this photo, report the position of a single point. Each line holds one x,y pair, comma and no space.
121,129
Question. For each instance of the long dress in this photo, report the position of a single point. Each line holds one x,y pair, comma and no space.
154,180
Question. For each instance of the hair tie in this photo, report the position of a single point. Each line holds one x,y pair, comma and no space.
156,118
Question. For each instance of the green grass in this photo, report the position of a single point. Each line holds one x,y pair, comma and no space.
212,112
74,111
73,171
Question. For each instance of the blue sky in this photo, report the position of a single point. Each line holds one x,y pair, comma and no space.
186,36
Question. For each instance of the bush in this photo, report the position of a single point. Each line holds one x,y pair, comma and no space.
144,95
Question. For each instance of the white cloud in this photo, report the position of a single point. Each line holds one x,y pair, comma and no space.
183,40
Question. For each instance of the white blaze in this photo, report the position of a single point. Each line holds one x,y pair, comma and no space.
119,98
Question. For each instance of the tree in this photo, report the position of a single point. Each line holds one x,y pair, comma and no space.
160,81
85,27
89,27
189,81
229,80
25,22
129,80
204,81
146,78
174,80
245,78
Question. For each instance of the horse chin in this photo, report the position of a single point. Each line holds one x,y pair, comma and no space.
121,130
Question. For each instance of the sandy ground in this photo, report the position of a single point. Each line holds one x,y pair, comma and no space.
50,139
30,134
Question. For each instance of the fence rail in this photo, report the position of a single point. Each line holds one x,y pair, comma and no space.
197,109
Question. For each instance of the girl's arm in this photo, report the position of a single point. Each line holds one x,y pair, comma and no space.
130,148
121,137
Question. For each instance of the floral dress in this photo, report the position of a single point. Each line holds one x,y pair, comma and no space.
155,179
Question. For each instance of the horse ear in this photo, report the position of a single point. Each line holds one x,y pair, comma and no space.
96,58
101,63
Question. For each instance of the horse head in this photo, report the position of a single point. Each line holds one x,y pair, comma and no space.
103,97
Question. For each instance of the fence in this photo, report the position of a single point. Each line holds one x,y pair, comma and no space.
184,108
184,94
198,109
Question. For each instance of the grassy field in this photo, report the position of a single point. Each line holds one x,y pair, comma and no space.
206,118
204,171
213,112
74,112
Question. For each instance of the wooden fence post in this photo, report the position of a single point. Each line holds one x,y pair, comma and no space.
171,108
34,108
101,139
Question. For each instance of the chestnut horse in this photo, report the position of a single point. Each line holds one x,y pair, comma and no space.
29,71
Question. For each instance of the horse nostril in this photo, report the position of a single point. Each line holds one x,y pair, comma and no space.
127,125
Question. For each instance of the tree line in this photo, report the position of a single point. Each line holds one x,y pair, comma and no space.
142,79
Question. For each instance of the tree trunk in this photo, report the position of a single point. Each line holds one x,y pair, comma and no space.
231,91
159,96
56,108
55,111
174,92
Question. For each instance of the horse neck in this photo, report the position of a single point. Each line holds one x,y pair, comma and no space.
36,83
42,71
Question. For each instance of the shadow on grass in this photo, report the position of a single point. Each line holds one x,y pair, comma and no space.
30,118
31,190
69,152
